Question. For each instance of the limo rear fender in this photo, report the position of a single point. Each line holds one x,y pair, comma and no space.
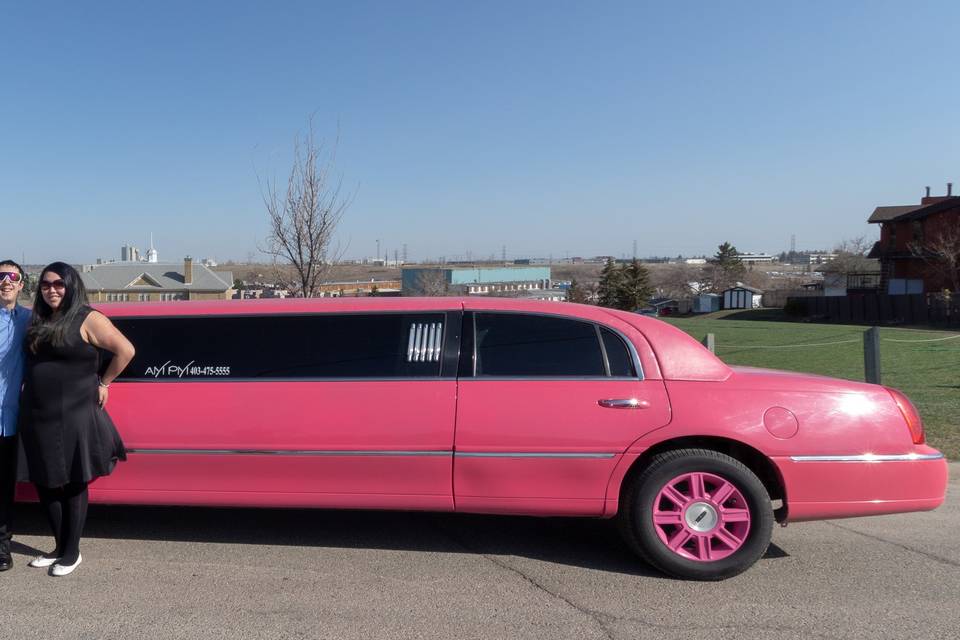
789,428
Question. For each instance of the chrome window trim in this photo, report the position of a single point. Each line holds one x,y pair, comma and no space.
603,349
637,365
634,355
282,314
441,319
871,457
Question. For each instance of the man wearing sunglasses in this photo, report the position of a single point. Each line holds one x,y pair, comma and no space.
13,329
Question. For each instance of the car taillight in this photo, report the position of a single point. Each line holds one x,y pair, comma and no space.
910,414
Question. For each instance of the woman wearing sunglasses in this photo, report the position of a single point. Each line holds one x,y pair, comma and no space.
68,438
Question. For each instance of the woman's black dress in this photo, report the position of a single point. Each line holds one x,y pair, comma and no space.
66,436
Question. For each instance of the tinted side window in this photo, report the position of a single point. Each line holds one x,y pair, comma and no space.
537,346
285,346
621,363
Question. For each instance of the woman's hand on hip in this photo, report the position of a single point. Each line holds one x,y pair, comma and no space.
104,393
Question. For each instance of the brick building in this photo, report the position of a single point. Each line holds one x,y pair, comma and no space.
909,238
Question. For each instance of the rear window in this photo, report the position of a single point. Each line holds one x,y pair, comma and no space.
618,355
285,346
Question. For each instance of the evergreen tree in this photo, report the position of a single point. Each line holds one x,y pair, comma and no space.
728,269
577,293
635,289
727,256
609,286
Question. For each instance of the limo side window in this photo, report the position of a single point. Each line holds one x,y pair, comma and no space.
386,345
621,362
536,346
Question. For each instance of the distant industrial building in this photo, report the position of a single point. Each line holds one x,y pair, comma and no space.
820,258
756,258
474,280
155,282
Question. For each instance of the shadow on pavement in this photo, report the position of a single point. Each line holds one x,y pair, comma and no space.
580,542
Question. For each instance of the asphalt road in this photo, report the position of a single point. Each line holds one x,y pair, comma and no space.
219,573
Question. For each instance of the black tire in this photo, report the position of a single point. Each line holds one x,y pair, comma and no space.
636,513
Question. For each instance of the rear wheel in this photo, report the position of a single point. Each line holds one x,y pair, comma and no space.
697,514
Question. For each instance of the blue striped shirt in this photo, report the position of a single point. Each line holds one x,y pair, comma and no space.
13,330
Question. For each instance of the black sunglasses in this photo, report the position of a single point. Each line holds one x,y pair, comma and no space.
59,285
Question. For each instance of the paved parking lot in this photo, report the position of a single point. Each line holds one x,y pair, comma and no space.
218,573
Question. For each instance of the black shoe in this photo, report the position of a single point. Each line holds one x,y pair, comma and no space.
6,562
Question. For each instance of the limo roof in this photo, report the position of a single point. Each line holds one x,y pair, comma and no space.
678,355
365,304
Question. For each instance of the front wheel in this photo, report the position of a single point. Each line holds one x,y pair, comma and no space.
697,514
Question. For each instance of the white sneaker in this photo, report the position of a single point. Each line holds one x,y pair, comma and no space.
42,562
65,569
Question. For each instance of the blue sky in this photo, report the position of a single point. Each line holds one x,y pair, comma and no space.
548,127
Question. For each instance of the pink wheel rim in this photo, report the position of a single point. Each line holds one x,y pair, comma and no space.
701,516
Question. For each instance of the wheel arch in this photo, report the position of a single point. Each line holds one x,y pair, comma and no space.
762,466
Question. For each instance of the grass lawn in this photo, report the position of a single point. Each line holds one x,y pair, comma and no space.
927,368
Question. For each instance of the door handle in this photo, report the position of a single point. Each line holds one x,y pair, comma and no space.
624,403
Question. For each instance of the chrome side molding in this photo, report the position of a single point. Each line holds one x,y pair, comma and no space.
871,457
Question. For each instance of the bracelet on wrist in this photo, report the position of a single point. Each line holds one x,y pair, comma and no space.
103,384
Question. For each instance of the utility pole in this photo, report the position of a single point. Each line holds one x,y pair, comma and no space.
378,248
404,252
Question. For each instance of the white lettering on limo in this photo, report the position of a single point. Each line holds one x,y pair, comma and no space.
168,370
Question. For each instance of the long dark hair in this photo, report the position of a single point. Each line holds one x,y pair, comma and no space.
47,327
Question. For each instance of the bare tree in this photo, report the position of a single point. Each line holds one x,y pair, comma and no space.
579,293
675,280
942,254
431,282
304,217
852,258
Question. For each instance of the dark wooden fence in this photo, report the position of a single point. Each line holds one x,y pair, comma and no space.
777,298
879,309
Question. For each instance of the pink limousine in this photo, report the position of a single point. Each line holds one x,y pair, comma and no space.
503,406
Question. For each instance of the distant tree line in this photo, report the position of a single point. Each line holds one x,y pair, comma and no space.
628,286
622,286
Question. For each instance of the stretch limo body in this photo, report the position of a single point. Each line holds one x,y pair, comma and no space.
502,406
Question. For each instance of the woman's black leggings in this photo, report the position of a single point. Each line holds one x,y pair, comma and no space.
66,509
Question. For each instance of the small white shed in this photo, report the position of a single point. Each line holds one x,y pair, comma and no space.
742,297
